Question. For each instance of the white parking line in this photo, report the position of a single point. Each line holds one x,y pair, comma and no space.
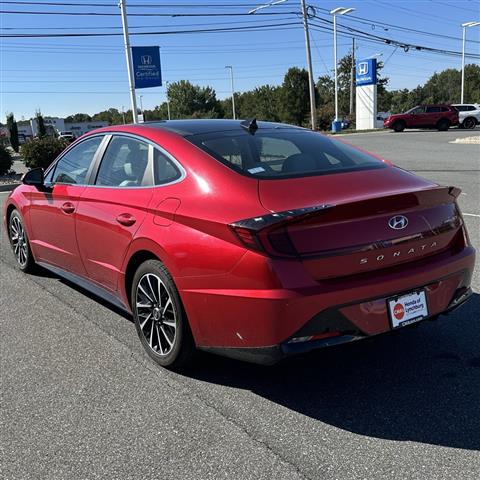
470,215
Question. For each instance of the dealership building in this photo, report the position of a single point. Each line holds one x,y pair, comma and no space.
55,126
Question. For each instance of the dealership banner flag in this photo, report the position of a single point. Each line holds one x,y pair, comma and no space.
146,67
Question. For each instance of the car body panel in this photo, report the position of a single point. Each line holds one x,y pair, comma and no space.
242,298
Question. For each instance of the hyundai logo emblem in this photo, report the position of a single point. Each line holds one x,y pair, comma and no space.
398,223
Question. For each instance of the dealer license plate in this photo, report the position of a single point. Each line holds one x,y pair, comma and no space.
407,309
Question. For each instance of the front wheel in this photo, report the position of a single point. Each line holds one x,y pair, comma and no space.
160,318
19,242
399,126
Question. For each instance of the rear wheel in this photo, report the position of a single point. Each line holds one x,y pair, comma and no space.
399,126
160,318
19,242
443,125
469,123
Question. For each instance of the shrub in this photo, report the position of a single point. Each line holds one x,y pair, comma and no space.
41,152
6,160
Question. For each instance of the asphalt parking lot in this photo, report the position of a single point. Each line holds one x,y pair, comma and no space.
80,399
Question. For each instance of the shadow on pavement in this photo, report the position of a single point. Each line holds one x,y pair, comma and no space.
420,384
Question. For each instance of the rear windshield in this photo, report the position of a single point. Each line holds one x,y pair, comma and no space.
283,153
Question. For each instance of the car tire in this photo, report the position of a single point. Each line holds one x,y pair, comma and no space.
469,123
443,125
160,318
20,243
399,127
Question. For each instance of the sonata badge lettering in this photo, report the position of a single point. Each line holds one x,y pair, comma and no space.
399,253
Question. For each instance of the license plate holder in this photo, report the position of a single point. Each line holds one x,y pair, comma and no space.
407,308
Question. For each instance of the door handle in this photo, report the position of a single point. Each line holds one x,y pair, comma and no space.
68,207
126,219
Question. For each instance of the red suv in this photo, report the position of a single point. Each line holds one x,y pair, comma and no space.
254,241
441,117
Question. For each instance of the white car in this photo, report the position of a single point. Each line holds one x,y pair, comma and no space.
468,114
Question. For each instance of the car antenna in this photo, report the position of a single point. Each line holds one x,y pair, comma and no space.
250,125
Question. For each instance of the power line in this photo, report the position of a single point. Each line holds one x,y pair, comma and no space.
176,15
266,27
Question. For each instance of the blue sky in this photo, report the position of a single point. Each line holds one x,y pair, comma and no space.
61,76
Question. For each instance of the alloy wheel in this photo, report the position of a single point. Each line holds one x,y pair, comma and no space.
19,241
156,313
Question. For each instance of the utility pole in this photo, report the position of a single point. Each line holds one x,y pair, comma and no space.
128,55
352,70
233,90
311,85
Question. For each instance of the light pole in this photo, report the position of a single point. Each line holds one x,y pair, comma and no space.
465,26
141,106
311,84
168,102
123,114
128,55
337,11
271,4
233,90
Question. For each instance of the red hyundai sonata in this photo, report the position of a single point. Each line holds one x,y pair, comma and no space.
255,241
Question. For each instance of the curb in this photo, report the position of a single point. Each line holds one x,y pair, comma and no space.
8,187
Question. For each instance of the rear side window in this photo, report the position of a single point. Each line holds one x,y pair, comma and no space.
283,153
165,171
72,168
124,163
436,109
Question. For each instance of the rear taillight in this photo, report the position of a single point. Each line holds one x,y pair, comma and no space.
268,233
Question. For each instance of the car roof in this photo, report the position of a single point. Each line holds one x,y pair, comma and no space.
203,126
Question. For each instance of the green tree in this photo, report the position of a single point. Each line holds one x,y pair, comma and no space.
160,112
295,99
192,101
6,160
41,129
78,117
263,103
41,152
13,131
112,116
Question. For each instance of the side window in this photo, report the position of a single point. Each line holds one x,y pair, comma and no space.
124,163
418,110
165,171
434,109
72,168
446,109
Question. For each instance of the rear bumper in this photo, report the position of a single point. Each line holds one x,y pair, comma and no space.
273,354
259,324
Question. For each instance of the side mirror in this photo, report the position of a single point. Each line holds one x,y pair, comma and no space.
34,177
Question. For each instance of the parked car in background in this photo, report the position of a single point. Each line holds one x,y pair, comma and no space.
68,136
468,113
441,117
255,241
381,117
